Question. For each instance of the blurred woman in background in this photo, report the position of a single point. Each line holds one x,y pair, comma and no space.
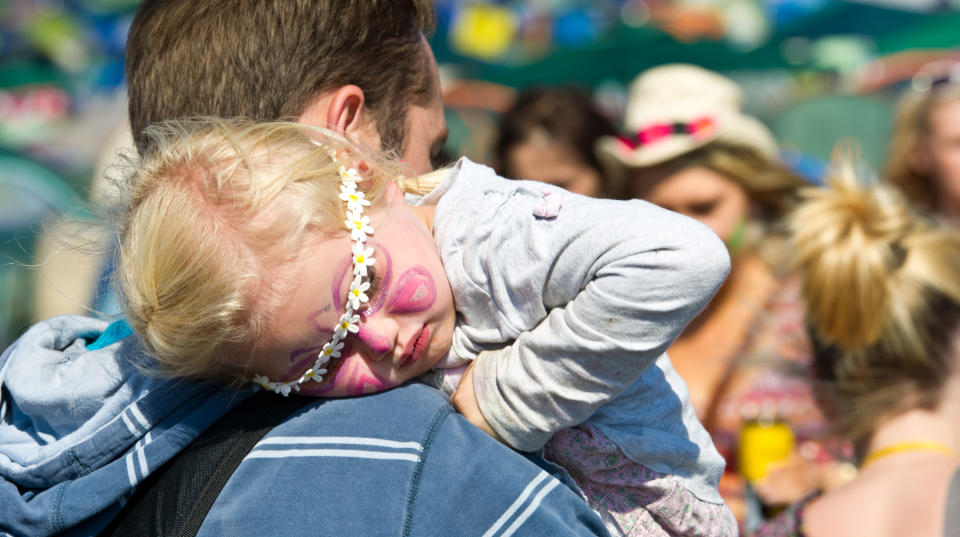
746,358
882,287
549,135
925,146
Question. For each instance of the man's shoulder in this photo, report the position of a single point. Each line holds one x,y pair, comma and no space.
396,412
395,462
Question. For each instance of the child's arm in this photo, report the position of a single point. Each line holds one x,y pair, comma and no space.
609,284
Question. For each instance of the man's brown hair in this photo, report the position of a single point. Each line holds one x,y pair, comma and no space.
266,60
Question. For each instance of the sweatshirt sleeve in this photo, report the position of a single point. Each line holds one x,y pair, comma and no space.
610,284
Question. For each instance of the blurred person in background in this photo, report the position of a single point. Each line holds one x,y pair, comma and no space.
882,287
549,135
74,271
745,358
925,146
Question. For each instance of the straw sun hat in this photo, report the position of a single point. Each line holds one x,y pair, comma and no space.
677,108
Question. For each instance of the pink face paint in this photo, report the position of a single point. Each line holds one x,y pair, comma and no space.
362,383
415,291
357,380
350,377
374,341
300,360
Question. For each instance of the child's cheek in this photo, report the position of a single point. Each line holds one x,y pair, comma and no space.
299,360
355,378
415,291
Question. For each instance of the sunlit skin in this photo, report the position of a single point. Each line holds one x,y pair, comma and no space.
943,155
714,199
426,126
541,158
405,329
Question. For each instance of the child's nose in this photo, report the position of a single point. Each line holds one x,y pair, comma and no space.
378,335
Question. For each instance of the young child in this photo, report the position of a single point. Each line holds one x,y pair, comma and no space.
281,254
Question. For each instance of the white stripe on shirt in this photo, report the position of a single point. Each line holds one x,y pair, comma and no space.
142,459
348,440
131,474
530,508
516,504
354,453
130,426
139,417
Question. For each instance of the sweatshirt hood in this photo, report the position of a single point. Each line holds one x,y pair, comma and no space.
81,425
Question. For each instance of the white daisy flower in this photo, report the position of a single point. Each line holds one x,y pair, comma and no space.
311,374
263,381
348,324
358,292
351,175
356,200
358,225
330,350
362,258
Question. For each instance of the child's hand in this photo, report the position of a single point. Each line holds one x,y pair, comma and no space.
465,401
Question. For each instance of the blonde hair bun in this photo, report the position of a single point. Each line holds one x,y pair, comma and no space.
850,240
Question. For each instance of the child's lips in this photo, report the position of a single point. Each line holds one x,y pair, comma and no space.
415,347
420,348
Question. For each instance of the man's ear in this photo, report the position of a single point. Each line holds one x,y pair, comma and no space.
343,110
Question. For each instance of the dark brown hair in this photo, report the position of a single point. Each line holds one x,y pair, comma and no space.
565,114
265,60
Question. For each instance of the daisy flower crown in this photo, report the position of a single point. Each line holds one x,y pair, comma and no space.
349,323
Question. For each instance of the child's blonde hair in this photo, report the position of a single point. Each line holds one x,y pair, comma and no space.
214,220
882,287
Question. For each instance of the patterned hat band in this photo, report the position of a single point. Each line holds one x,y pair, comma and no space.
700,128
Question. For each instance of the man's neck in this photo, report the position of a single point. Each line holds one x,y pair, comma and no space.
424,213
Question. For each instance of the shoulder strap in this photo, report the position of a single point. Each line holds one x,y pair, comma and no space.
175,499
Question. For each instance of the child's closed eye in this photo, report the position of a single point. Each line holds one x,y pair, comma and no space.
366,299
374,280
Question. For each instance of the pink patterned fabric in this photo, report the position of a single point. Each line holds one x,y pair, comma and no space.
788,523
642,501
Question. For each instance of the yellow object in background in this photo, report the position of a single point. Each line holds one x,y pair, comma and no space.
763,442
483,31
